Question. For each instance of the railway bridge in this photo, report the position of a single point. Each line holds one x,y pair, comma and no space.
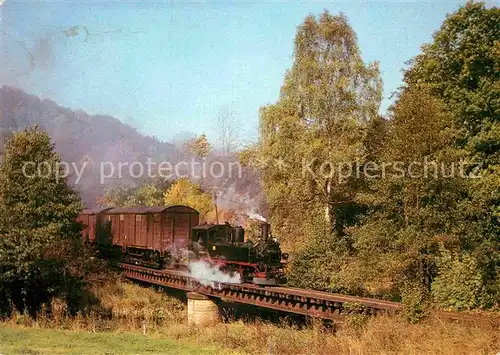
312,303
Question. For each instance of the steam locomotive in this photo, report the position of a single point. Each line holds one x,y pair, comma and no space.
223,244
171,237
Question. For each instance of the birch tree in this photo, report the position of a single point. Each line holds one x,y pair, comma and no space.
318,125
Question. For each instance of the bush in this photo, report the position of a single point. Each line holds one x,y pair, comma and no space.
415,299
356,315
459,285
323,263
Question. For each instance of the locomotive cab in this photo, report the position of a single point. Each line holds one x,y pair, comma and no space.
222,241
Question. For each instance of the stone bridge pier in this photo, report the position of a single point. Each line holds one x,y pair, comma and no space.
202,310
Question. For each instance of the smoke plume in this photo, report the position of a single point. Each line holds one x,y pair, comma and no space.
256,216
207,274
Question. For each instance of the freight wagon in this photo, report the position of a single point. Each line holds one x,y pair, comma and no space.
93,221
146,234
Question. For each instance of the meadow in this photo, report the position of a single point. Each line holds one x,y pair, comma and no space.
126,318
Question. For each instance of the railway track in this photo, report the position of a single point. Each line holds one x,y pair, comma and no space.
288,299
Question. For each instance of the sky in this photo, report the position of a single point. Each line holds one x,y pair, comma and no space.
173,67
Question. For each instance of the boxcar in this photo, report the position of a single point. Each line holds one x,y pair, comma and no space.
151,233
93,221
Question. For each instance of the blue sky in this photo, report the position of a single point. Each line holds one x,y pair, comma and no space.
171,67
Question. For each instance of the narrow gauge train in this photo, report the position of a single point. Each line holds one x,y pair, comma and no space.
170,237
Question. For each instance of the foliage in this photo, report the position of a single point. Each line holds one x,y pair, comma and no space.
311,265
248,156
458,285
120,196
438,182
318,123
199,146
383,231
410,206
415,302
146,194
40,236
149,195
184,192
323,263
417,230
356,317
461,67
163,192
252,229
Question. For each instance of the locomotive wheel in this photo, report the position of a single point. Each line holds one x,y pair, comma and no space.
160,260
283,281
262,281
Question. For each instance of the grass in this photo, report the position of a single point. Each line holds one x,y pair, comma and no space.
115,324
20,340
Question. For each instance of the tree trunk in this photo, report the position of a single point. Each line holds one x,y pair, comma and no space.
330,216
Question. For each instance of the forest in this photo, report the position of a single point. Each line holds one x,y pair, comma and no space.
427,234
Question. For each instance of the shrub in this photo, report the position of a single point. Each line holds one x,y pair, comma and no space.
459,285
415,299
323,262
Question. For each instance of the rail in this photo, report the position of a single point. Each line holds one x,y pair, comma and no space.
288,299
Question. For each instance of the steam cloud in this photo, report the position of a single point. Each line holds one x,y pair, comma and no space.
256,216
207,274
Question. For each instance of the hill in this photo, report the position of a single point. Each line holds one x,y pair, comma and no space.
81,137
100,139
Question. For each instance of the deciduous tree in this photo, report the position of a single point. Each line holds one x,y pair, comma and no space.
318,125
412,203
226,127
184,192
199,146
461,68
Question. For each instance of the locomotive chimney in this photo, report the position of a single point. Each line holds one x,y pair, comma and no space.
264,230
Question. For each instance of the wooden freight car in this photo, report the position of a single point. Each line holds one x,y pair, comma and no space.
93,221
151,234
